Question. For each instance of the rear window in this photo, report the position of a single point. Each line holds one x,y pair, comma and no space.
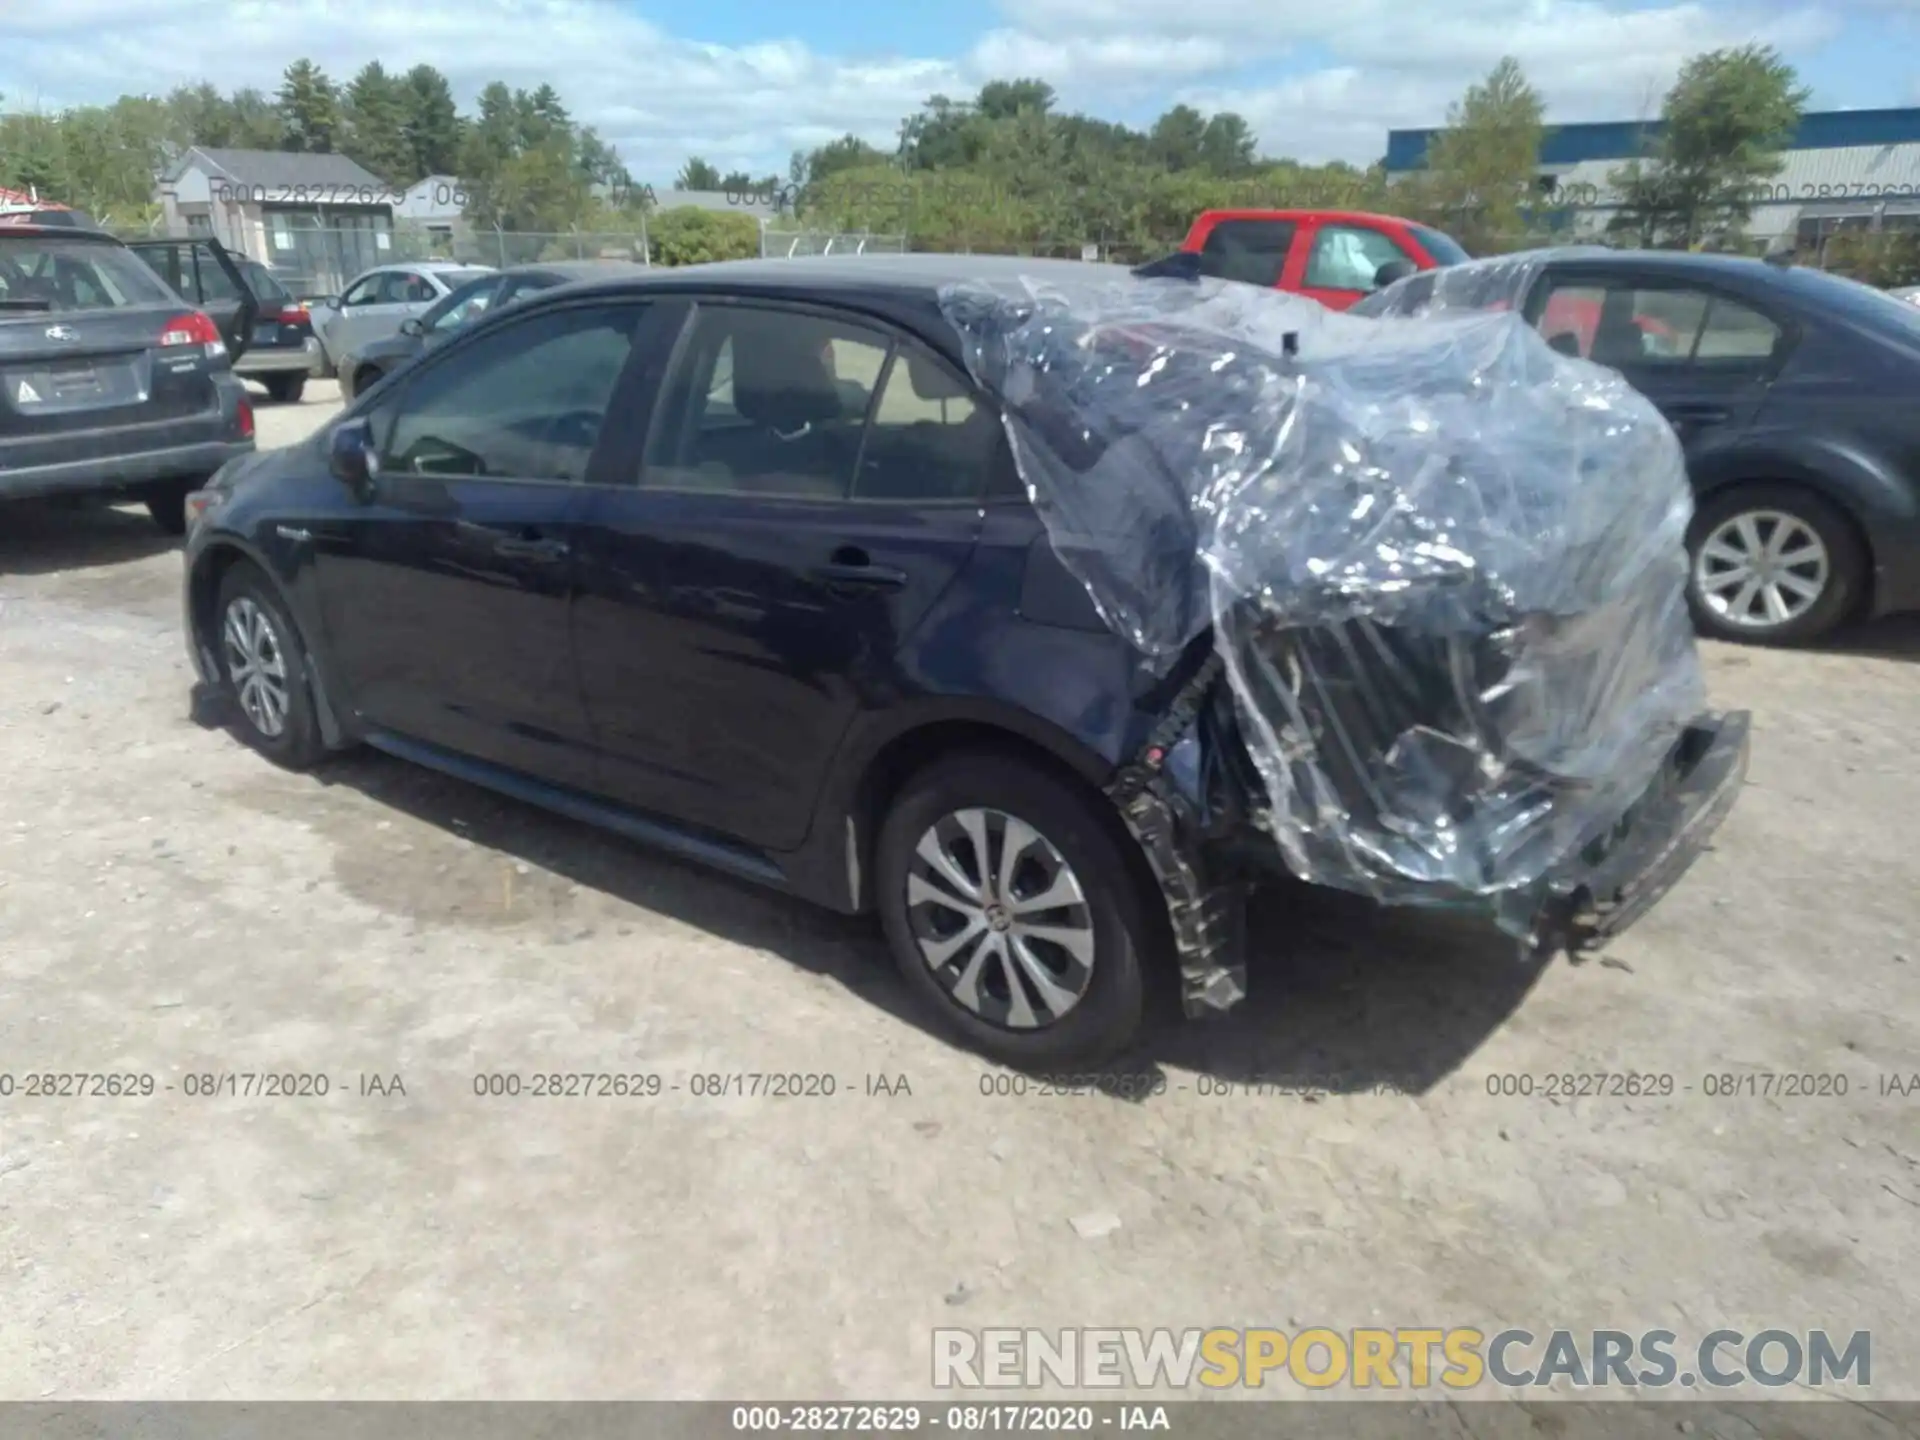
42,274
260,280
1443,248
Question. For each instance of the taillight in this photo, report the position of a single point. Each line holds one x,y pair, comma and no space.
292,315
194,328
245,417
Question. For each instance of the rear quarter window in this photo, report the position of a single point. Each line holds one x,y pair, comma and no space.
53,275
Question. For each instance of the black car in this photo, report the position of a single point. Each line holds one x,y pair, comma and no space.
631,551
110,383
1792,392
460,307
281,351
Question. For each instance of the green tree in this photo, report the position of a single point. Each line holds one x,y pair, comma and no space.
374,116
697,174
1176,138
309,108
688,235
1722,128
846,153
1004,99
431,123
1227,144
1482,170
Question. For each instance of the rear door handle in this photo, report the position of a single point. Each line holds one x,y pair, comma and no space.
866,577
531,549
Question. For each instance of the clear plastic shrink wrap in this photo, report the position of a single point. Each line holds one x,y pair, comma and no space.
1444,564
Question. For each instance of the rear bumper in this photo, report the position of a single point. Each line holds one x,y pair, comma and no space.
1658,840
275,360
117,472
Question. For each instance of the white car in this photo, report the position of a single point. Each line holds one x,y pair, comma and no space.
379,300
1907,292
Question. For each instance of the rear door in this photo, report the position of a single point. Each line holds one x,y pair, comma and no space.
1250,250
1342,259
1703,355
810,485
93,345
204,273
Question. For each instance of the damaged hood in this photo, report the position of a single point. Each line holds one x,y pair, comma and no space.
1443,564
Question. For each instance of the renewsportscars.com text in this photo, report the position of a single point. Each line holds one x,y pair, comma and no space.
1460,1358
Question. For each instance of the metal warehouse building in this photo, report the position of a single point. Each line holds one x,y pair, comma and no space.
1844,170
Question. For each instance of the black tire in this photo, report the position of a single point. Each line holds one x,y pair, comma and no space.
297,745
1111,1008
364,379
285,389
167,504
1846,563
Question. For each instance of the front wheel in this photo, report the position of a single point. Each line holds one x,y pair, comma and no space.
1772,564
264,673
1012,911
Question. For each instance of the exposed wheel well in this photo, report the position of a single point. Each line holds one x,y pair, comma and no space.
905,756
205,591
1863,602
365,378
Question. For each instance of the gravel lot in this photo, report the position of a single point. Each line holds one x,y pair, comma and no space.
172,905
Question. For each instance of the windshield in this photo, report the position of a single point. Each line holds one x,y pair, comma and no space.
44,274
1442,247
1855,301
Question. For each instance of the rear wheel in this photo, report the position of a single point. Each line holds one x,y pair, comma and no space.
1772,564
286,389
263,670
1010,908
167,504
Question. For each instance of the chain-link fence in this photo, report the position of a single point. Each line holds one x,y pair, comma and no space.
791,244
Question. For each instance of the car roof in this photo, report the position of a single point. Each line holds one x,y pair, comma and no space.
575,269
904,289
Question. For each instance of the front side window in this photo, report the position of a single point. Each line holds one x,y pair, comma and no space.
1348,257
1619,323
524,403
1253,252
765,402
467,303
364,292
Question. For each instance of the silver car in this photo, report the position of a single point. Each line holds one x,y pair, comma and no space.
379,300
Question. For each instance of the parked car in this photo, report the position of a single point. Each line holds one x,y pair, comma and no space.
1334,256
1907,292
367,365
282,350
1791,391
111,384
626,550
377,301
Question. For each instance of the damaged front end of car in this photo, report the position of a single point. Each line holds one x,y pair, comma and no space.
1415,586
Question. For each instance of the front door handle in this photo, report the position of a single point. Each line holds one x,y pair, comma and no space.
528,548
860,574
1701,414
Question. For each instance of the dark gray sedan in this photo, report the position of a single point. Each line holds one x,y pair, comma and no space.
462,306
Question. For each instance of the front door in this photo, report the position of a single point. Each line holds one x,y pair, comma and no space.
809,487
446,595
1343,260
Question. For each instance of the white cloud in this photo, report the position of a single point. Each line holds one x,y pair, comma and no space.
659,98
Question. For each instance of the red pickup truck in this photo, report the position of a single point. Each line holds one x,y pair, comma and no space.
1335,256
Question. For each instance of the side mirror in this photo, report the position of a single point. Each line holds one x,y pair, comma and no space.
1392,271
412,326
351,459
330,302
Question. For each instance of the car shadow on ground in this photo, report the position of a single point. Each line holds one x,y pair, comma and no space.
1892,637
38,537
1344,996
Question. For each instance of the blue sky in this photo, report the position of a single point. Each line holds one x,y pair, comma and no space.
743,83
